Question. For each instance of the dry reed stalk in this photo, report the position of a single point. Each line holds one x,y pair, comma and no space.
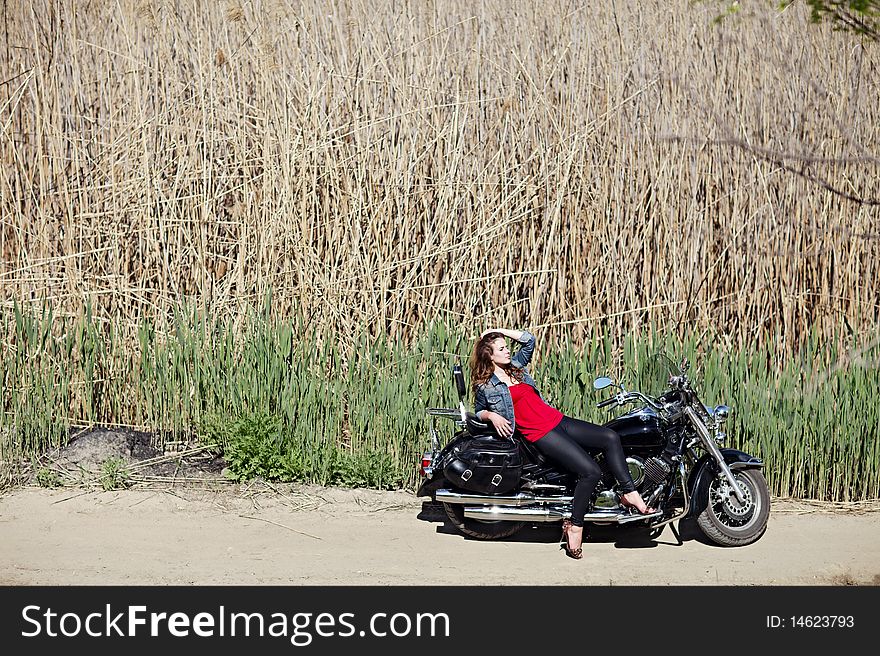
375,167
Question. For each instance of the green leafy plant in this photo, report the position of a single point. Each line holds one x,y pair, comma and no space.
114,474
255,446
373,470
47,477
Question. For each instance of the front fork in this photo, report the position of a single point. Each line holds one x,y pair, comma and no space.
713,449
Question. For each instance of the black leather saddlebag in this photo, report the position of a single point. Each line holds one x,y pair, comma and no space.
484,464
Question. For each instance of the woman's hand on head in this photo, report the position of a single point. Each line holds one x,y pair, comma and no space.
502,426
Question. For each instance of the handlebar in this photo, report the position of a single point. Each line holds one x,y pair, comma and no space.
626,397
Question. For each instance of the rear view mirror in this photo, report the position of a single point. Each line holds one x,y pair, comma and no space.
602,383
459,380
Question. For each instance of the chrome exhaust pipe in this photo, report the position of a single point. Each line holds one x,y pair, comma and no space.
522,507
513,514
510,514
518,499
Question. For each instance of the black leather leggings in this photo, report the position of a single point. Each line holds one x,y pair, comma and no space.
567,443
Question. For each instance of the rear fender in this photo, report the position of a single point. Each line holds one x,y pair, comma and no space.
438,480
431,485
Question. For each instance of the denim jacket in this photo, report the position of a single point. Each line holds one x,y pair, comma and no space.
494,395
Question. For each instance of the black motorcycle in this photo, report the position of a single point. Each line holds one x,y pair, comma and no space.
491,487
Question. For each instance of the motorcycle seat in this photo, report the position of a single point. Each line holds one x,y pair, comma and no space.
531,450
476,427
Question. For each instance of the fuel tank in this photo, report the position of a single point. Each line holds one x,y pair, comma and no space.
638,429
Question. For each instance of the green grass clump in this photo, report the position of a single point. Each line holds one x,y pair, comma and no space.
254,446
287,404
49,478
114,474
262,446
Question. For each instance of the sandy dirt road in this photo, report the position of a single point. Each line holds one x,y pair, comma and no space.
260,535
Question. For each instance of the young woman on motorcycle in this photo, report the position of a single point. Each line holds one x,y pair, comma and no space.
507,396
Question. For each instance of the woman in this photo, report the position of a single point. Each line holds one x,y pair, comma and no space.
507,396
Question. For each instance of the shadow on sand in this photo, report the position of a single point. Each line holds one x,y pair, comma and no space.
623,537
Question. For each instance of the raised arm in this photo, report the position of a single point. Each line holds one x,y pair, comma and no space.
513,334
524,355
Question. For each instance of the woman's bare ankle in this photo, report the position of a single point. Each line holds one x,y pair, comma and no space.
635,499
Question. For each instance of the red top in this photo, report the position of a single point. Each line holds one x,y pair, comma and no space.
534,418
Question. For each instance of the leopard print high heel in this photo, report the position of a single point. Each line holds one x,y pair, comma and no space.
578,553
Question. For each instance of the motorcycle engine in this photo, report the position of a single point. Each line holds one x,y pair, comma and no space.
636,468
655,469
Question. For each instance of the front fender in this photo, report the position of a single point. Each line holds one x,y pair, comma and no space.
706,468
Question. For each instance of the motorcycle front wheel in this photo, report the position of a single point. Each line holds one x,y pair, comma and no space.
727,522
475,528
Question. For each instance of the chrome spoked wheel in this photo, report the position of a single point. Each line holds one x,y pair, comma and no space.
727,508
728,522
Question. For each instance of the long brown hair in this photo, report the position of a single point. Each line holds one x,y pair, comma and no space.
481,363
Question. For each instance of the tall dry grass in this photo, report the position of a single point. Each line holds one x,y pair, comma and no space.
573,168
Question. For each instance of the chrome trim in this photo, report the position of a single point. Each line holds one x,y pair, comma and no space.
639,474
682,477
519,499
607,499
637,516
644,413
652,498
528,485
712,448
522,507
502,513
443,412
435,441
754,462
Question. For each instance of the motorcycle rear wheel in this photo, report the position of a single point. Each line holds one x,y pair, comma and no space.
727,523
479,529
